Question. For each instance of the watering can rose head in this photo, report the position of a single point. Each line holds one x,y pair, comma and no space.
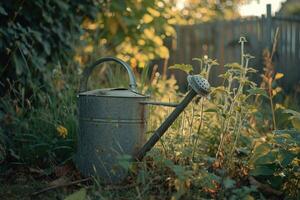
199,84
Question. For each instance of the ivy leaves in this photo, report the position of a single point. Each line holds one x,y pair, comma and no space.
36,36
2,11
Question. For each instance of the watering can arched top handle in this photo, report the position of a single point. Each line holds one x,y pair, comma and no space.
87,72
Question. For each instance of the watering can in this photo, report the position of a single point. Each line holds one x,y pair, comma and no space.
113,123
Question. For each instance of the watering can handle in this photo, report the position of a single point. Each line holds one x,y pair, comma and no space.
87,72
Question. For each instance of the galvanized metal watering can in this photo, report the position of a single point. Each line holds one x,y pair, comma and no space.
113,123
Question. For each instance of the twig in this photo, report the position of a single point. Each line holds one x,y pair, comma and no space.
165,67
199,129
121,187
60,185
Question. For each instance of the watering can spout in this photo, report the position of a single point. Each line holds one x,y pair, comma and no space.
198,86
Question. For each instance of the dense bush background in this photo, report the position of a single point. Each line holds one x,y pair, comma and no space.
36,36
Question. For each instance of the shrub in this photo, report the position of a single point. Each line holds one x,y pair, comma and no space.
35,37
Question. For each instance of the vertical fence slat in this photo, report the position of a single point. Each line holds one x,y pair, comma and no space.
297,42
291,39
269,25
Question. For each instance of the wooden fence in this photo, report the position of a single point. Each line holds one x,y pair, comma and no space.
219,40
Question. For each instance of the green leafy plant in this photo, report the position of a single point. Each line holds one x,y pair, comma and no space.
275,158
39,136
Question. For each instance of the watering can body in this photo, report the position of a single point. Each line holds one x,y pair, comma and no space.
112,124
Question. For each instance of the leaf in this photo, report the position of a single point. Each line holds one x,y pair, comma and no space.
2,11
262,148
163,52
276,181
233,65
261,170
46,47
228,183
259,151
179,171
2,115
258,91
209,180
59,181
212,110
183,67
147,18
295,118
251,70
113,25
219,89
292,133
124,161
266,159
214,62
62,148
79,195
296,123
285,157
153,12
62,5
2,152
278,76
294,113
18,64
198,59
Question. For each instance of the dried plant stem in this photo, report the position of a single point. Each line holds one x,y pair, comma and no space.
225,120
242,53
275,42
238,133
61,185
221,138
235,103
165,67
191,123
268,74
272,106
270,84
198,129
238,116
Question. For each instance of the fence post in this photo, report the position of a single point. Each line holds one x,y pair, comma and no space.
269,26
